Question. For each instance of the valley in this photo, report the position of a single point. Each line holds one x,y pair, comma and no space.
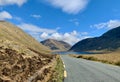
24,62
59,41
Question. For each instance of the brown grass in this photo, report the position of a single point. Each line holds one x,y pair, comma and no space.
12,33
18,66
58,72
110,58
21,56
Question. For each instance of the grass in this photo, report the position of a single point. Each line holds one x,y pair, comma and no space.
21,55
109,58
13,33
117,63
18,67
58,74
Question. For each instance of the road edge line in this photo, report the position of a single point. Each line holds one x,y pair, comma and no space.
65,72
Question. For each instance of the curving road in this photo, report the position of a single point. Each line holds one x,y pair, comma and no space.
80,70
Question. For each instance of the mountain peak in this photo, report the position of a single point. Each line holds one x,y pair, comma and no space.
56,45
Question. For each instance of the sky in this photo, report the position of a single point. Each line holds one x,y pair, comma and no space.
67,20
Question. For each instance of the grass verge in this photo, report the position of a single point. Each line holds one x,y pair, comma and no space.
109,58
58,73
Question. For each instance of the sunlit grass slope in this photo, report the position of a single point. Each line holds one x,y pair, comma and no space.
12,33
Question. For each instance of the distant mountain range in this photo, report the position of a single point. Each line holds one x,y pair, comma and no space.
56,45
108,41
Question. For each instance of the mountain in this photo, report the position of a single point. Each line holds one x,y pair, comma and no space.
56,45
11,32
22,58
108,41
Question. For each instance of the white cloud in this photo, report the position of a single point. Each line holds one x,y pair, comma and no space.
36,16
69,37
36,31
43,33
34,28
5,15
11,2
69,6
110,24
56,36
113,23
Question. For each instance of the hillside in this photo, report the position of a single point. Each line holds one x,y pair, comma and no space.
22,58
10,32
56,45
108,41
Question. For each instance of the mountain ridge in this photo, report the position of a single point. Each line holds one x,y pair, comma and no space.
108,41
56,45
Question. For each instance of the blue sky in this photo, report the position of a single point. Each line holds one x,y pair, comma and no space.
67,20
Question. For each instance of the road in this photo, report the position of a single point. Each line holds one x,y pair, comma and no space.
80,70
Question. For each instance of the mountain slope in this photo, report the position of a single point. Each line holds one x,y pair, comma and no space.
108,41
56,45
12,33
22,58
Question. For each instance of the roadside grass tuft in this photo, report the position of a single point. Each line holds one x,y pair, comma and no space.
91,58
58,74
117,63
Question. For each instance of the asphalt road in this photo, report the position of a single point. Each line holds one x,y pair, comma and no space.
80,70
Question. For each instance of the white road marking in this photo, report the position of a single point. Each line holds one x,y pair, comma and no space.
65,74
64,66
